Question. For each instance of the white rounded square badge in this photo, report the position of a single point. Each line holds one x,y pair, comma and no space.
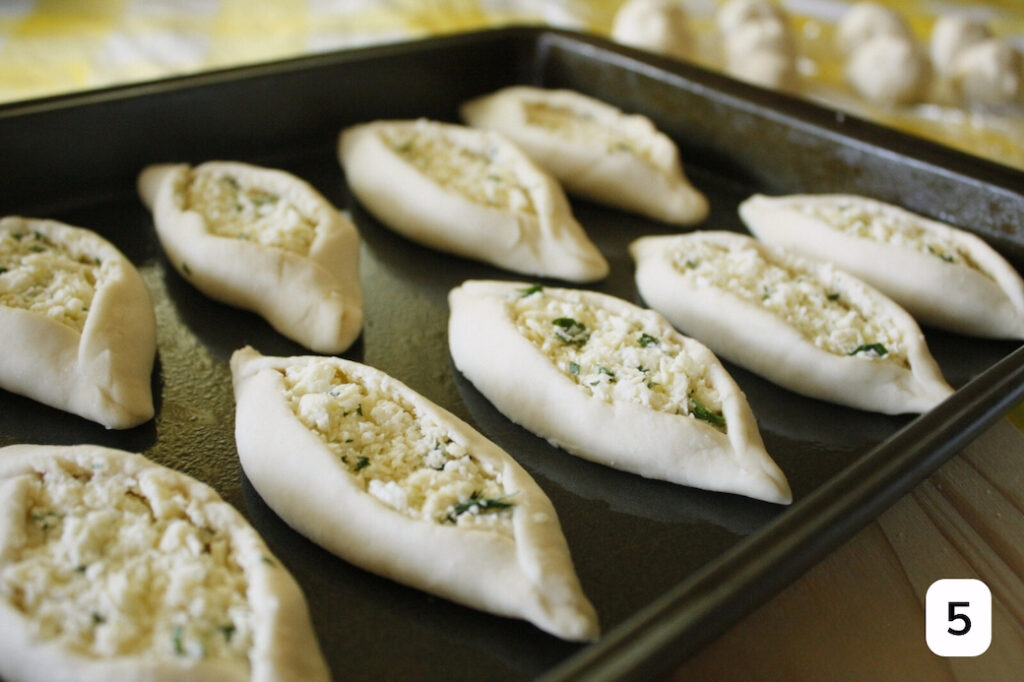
958,617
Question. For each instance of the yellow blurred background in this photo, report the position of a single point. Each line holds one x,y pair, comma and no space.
56,46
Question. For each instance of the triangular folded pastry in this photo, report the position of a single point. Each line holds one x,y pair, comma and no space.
468,192
262,240
612,383
389,481
113,567
76,323
943,276
595,150
802,324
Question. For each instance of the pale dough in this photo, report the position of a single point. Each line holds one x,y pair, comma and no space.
802,324
262,240
944,276
115,568
313,437
468,192
89,356
612,383
595,150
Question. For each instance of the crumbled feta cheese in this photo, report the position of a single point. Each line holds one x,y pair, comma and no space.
402,457
877,223
118,565
482,173
614,358
833,317
235,209
45,277
583,128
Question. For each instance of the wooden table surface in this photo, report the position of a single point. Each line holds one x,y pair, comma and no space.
859,613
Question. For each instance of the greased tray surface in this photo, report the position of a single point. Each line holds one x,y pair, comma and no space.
667,567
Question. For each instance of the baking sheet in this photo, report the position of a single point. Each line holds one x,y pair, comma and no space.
666,567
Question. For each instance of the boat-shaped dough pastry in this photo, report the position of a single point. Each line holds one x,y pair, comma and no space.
943,276
76,323
468,192
595,150
802,324
387,480
113,567
262,240
610,382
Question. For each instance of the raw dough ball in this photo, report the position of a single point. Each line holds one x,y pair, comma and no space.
950,36
736,13
988,72
888,70
656,25
867,20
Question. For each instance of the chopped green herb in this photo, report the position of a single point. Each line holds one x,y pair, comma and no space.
648,340
359,409
18,236
47,520
361,464
574,368
268,561
404,147
692,263
876,348
700,411
230,181
944,256
832,296
96,260
766,293
482,504
570,332
38,235
652,384
36,248
259,197
179,644
97,618
228,631
621,147
2,270
610,373
81,568
642,369
530,290
186,269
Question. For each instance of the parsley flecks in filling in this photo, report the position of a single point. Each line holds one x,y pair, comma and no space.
52,279
402,457
833,316
482,172
114,564
613,364
881,224
235,209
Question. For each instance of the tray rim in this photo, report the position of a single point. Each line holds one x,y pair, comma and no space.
726,588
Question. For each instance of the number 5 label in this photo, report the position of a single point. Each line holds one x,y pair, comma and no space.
958,617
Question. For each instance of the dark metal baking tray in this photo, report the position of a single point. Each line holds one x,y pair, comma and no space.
667,567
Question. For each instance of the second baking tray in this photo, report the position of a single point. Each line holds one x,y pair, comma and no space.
667,567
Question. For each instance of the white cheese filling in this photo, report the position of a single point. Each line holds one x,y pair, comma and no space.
584,129
48,278
834,317
870,221
483,173
614,358
116,565
402,457
235,209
